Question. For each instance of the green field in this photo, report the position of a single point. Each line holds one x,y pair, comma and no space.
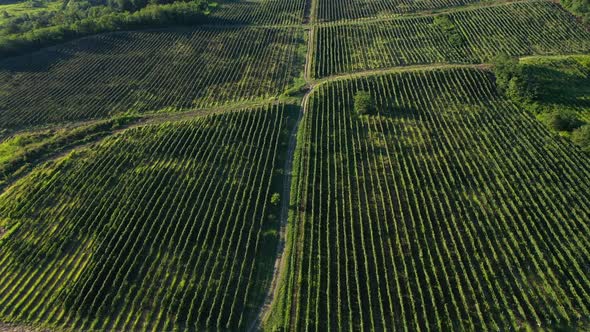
18,8
446,209
563,85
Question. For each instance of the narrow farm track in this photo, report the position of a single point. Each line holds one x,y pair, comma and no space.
279,265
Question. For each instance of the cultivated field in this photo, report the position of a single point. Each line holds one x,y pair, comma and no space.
466,36
160,227
219,177
265,12
333,10
450,209
141,72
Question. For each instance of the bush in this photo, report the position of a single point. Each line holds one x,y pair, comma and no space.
564,121
275,199
580,8
363,103
581,137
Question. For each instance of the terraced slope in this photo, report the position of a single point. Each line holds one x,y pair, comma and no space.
447,209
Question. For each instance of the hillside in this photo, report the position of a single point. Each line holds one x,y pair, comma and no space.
294,165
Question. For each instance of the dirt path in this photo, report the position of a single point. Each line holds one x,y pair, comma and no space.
280,262
19,328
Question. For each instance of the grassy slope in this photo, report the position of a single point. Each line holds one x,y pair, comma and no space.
19,8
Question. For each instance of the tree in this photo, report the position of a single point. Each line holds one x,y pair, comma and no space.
513,80
275,199
505,68
564,120
581,137
363,103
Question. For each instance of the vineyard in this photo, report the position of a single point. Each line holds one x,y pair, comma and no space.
446,209
470,36
141,72
266,12
333,10
161,227
295,165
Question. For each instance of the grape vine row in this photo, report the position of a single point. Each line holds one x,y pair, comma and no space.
525,28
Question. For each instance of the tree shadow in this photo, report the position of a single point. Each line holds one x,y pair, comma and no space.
559,87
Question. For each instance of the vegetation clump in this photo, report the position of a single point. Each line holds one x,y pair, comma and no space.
275,199
24,33
564,120
454,36
580,8
363,103
513,80
581,137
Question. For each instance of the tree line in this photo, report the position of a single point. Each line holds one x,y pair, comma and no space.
29,32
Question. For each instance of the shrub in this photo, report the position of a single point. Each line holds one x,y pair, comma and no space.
275,199
447,25
564,121
363,103
512,80
581,137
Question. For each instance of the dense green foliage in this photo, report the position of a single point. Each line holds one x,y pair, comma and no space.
160,227
581,137
512,80
578,7
555,89
564,120
449,210
140,72
454,36
468,36
363,103
36,35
